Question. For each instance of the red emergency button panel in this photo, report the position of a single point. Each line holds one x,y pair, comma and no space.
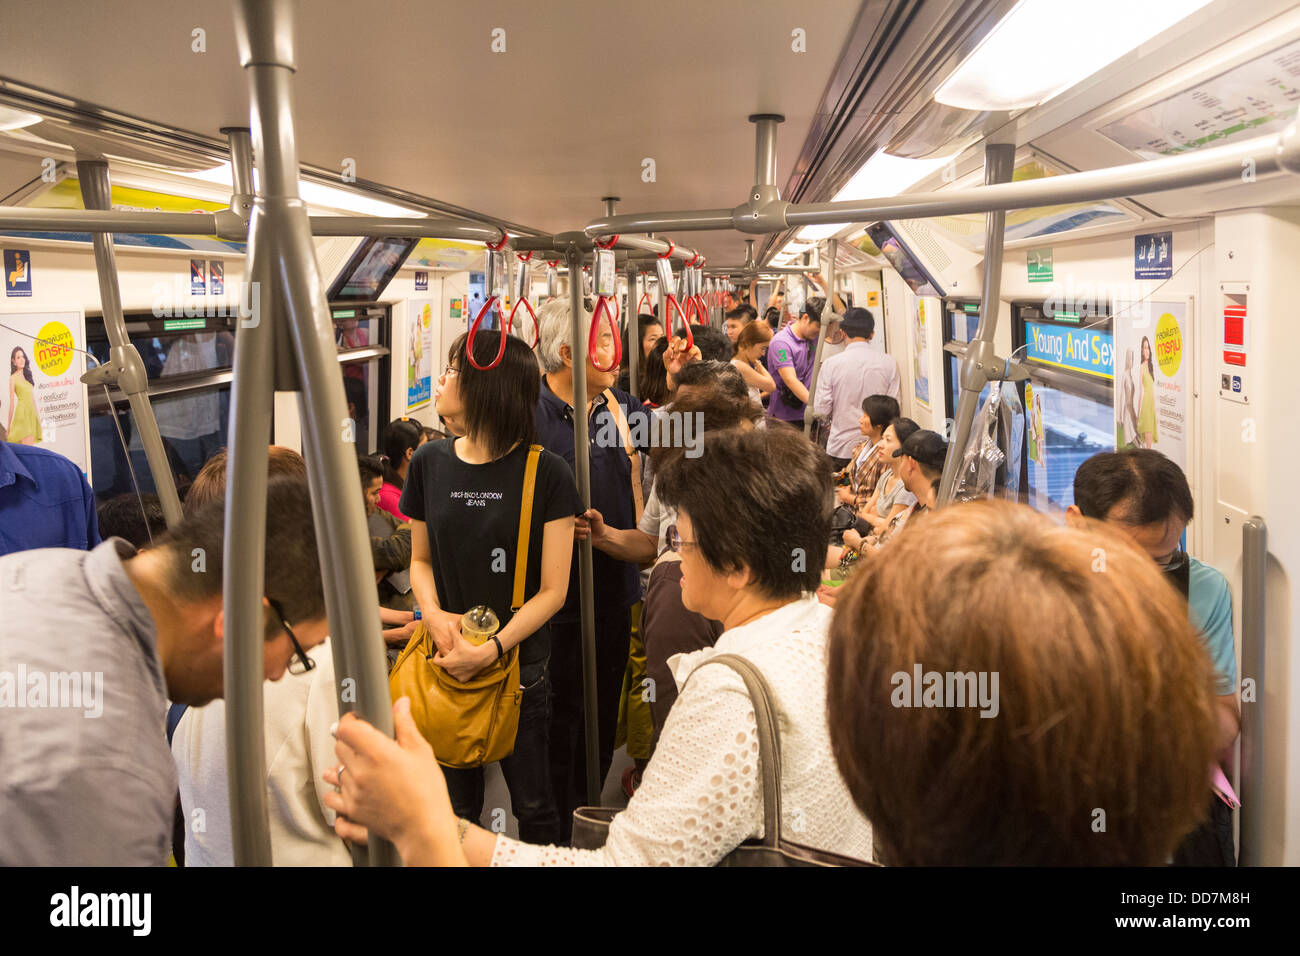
1234,358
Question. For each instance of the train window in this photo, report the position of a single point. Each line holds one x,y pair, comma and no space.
1069,398
960,322
188,362
361,335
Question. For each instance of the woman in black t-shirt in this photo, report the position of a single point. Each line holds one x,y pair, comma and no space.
463,496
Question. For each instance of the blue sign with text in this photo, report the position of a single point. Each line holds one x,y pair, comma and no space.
1153,256
1091,351
18,272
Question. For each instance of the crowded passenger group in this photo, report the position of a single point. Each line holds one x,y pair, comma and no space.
754,588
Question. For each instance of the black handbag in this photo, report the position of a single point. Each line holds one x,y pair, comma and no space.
591,824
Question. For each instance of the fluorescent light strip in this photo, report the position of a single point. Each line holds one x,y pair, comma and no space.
1043,47
880,176
317,194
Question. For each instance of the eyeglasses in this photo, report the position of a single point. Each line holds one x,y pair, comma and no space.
449,371
300,663
676,542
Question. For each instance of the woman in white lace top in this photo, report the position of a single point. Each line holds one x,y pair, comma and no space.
759,498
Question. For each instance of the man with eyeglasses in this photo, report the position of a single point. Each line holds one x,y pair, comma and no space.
1144,494
92,647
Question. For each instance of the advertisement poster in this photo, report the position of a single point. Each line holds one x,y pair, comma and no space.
1152,358
43,401
921,350
419,353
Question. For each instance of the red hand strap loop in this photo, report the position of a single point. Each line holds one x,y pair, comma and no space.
693,259
669,253
686,326
473,333
523,258
608,244
593,338
498,246
645,297
537,328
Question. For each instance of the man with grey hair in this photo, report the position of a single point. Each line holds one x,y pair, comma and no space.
615,493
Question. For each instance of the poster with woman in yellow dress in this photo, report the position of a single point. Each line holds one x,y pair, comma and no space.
1151,407
44,402
24,426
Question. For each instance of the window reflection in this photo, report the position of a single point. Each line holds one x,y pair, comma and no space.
1062,430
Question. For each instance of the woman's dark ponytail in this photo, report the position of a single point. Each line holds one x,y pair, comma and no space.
399,436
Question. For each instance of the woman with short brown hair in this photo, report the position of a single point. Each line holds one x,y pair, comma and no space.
1092,731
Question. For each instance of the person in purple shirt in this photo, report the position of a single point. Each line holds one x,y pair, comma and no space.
790,361
45,501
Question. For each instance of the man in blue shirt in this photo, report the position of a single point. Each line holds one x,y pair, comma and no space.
790,357
45,501
1144,494
615,493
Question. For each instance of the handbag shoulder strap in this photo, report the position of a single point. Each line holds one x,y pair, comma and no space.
525,526
769,740
634,460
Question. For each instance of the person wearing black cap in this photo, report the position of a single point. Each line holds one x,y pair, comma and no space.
849,377
922,455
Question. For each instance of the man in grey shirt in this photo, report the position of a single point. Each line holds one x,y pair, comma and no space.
92,647
849,377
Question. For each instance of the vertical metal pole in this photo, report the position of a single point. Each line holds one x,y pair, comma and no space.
765,148
240,139
633,333
251,395
999,159
1254,570
586,579
828,310
132,379
286,257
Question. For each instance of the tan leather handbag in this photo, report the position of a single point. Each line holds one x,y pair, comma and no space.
474,722
591,824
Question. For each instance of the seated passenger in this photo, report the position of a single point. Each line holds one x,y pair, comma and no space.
121,517
746,509
866,464
1016,747
891,497
1146,496
45,501
922,456
111,635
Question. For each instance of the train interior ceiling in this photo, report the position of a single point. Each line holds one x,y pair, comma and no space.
506,114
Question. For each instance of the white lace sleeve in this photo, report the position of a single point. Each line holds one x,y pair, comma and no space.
700,796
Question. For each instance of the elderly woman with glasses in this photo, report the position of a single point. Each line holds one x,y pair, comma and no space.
752,519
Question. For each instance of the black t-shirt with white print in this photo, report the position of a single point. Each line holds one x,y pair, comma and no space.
472,514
